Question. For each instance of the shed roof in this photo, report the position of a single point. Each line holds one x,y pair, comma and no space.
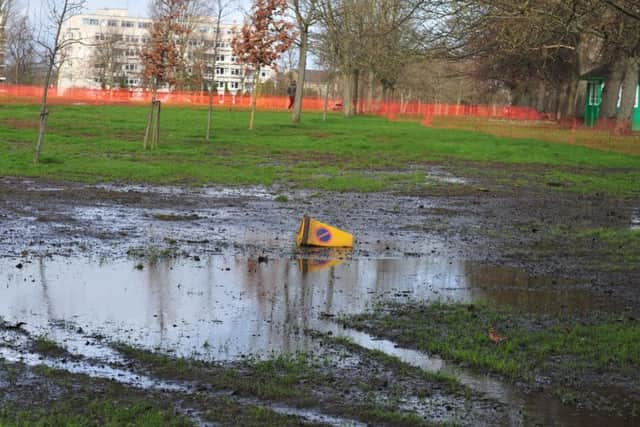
599,73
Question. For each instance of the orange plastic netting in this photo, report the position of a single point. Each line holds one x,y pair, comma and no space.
391,110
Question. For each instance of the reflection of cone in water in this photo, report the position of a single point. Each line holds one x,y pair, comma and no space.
315,233
311,265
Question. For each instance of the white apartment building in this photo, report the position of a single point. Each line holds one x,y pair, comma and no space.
113,33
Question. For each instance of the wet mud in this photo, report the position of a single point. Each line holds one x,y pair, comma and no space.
212,275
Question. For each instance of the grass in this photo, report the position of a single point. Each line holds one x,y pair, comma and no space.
47,347
95,412
282,377
618,245
600,139
97,144
300,380
460,332
571,352
393,362
60,398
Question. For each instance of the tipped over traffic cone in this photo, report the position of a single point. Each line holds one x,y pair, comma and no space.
315,233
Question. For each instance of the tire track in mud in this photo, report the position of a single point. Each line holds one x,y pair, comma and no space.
104,362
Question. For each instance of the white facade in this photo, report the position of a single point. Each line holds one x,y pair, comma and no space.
79,60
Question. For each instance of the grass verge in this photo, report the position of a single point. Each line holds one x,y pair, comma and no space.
94,144
589,358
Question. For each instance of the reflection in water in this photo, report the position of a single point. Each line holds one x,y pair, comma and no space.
227,307
635,220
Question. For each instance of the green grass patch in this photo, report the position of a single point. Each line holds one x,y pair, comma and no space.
616,245
97,144
278,378
48,347
304,381
95,412
534,345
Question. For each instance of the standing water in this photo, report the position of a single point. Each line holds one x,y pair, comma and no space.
226,307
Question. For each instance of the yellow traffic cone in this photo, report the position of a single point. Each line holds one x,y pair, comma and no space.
315,233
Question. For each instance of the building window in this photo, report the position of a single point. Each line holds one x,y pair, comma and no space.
592,94
220,58
235,71
219,71
112,23
234,85
127,24
619,103
144,25
94,22
220,85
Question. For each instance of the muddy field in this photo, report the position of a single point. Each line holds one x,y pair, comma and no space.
190,297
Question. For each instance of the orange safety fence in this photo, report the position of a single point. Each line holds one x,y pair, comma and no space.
393,110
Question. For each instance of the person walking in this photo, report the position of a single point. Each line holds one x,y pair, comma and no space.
291,91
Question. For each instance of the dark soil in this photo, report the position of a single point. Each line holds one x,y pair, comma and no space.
543,231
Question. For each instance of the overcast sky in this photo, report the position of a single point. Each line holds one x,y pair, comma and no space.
140,8
137,8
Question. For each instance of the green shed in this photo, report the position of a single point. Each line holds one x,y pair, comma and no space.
596,80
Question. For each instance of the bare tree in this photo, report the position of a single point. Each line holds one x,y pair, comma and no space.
217,10
192,16
53,44
357,34
629,8
306,14
5,9
21,51
107,59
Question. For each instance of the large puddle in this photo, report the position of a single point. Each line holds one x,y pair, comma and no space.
225,307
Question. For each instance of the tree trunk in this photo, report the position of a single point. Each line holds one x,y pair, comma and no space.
370,92
302,68
580,98
629,92
254,99
44,113
583,50
557,93
347,102
156,129
356,90
540,97
209,112
571,93
150,116
609,106
326,101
